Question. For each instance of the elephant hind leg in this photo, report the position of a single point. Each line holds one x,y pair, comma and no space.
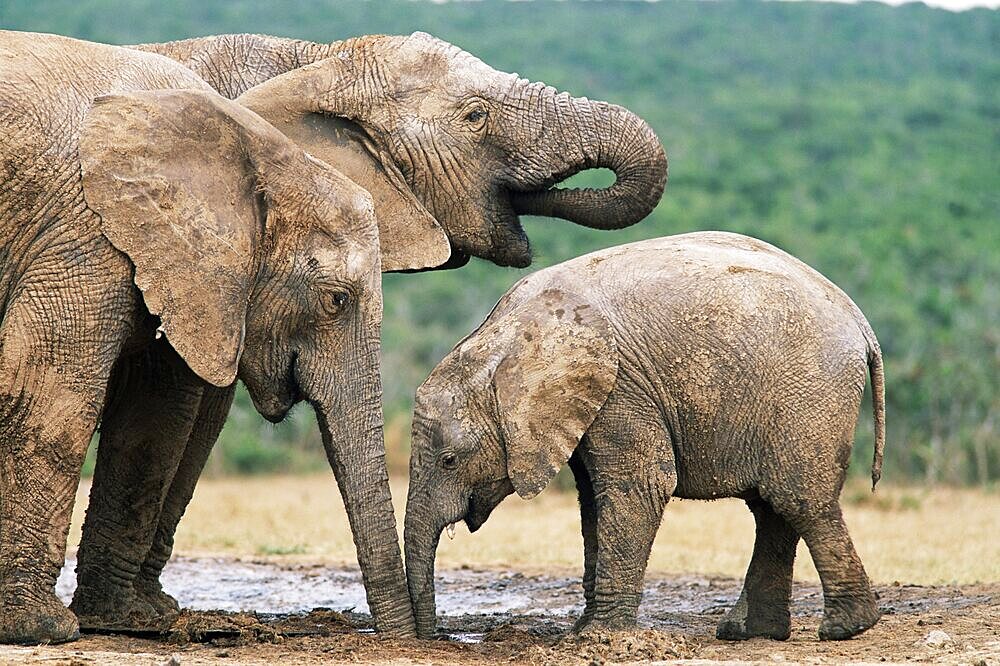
143,435
42,445
849,605
762,609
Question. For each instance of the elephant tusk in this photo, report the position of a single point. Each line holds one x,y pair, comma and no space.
159,332
450,530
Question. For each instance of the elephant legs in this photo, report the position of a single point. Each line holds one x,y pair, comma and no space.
53,376
148,419
762,609
43,439
849,605
629,478
212,412
588,521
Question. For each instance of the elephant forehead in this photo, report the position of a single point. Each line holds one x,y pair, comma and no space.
352,258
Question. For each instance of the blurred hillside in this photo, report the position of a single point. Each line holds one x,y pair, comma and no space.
863,139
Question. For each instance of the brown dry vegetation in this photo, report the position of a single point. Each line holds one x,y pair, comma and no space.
909,534
933,553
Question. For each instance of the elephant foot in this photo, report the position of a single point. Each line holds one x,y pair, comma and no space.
844,618
48,622
118,610
595,624
740,624
582,623
161,602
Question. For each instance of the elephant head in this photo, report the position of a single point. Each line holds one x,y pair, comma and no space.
444,141
501,413
262,263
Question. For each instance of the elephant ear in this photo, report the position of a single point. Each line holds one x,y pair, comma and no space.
169,175
409,236
561,365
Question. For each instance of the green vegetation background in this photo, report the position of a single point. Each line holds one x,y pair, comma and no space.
863,139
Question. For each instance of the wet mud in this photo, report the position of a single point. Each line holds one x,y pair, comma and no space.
256,611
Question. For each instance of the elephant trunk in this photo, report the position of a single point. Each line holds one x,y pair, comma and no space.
420,537
353,439
593,135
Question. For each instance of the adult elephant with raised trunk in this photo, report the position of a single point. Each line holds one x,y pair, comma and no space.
450,149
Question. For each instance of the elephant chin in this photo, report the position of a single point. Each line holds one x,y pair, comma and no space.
511,246
275,408
275,401
484,500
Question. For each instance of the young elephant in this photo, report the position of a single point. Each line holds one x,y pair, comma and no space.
700,366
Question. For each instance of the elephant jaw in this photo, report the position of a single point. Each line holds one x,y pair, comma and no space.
483,500
274,400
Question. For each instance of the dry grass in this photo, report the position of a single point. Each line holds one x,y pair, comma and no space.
903,534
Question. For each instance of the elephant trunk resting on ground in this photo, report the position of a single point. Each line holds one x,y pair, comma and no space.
699,366
154,246
451,150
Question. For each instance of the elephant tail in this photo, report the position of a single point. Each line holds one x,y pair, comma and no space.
878,402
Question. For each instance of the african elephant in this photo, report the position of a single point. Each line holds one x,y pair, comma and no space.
443,142
700,366
155,245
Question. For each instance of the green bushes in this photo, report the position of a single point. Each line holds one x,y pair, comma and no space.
863,139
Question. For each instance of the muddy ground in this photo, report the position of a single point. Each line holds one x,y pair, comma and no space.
268,613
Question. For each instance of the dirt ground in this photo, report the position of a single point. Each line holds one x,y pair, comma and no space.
490,616
281,547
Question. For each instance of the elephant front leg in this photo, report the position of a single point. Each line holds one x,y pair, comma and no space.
630,462
212,412
762,609
42,445
588,523
146,425
53,374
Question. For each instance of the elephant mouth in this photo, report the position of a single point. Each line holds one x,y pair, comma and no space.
509,237
483,500
275,407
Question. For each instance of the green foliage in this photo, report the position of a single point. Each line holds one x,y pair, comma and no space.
863,139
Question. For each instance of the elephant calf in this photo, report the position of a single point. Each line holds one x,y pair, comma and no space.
700,366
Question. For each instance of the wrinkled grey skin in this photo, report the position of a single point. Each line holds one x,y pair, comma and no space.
476,146
154,245
443,142
699,366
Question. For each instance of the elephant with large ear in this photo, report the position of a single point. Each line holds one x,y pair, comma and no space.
452,152
429,128
698,366
159,243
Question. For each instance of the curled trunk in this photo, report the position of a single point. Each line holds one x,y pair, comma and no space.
594,135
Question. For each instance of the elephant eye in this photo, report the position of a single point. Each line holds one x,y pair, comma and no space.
339,301
475,116
448,461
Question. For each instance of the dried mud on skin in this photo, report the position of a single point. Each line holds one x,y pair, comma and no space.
678,615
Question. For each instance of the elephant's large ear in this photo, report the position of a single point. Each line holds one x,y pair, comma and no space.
409,236
169,175
561,364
